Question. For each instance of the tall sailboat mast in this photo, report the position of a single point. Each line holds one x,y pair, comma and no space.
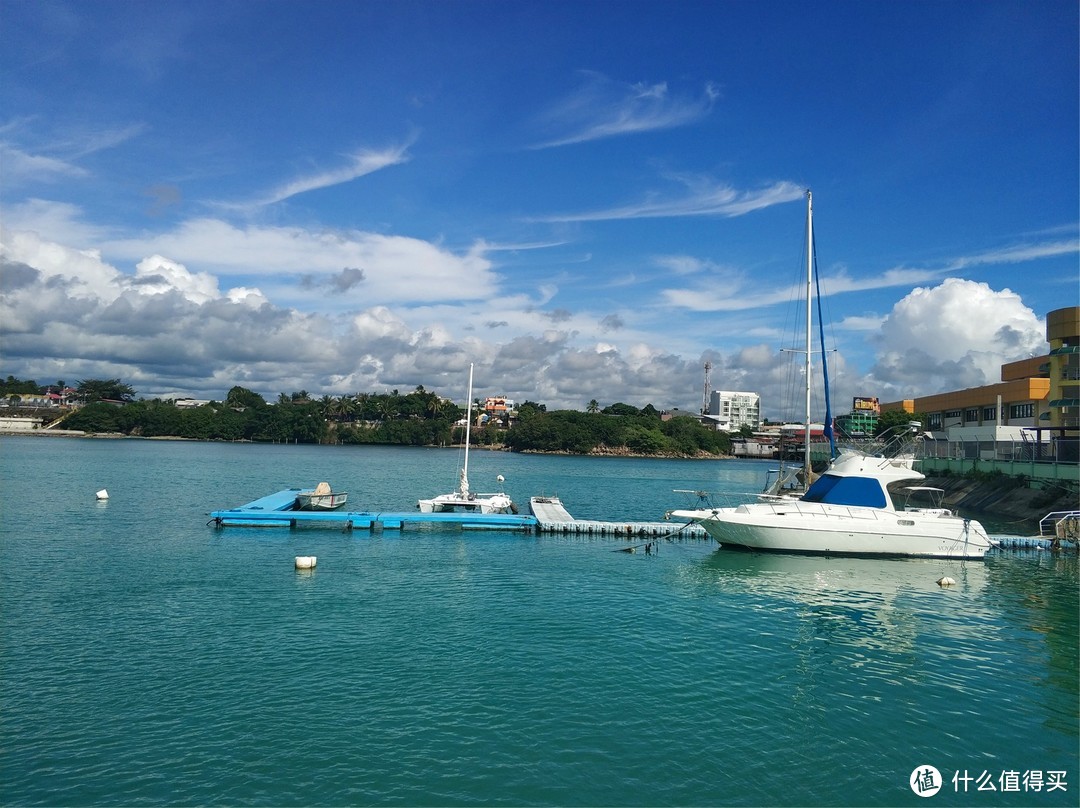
809,328
464,488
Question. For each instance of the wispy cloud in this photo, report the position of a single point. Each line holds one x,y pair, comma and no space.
703,198
56,159
21,166
359,163
731,296
1017,254
93,141
603,108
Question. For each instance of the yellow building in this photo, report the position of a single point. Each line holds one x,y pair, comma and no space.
1063,367
1041,394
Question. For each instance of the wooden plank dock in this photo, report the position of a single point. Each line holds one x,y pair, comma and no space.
547,515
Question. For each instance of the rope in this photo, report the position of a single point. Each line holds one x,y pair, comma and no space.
648,544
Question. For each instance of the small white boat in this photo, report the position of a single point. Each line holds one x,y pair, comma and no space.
321,498
463,499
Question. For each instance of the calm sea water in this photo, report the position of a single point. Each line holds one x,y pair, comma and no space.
148,659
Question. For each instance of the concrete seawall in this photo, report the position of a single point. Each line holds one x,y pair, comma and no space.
1006,497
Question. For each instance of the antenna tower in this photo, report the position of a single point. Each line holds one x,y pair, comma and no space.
705,395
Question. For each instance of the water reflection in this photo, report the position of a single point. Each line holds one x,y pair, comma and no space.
888,621
839,581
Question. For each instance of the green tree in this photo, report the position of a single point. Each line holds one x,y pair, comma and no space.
644,440
13,385
620,409
94,417
894,418
240,398
90,390
593,406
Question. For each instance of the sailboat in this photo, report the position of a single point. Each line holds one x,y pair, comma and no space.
789,482
849,509
463,499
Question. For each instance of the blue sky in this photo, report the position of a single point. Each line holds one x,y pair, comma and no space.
588,200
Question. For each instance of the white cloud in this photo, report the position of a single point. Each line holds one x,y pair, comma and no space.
56,160
20,167
50,221
702,197
603,108
953,336
158,275
395,268
358,164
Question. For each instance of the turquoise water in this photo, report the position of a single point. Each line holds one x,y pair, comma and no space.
149,659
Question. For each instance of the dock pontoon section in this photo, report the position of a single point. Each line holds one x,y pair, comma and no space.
548,515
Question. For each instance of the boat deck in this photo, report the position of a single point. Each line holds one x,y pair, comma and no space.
548,515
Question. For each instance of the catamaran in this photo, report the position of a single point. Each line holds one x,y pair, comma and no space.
463,499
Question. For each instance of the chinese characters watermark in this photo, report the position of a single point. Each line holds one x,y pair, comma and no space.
926,781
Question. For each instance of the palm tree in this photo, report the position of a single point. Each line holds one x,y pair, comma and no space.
343,408
593,406
360,405
387,408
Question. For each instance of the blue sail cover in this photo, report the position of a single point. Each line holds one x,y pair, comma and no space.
828,431
862,492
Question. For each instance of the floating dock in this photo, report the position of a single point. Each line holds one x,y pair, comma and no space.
552,517
279,510
547,516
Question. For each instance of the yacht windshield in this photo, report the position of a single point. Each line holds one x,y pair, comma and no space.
863,492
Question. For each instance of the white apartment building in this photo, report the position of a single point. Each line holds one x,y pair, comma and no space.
733,410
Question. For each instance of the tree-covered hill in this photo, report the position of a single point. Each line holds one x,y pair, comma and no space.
418,418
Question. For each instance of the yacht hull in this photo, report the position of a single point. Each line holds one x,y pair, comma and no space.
476,503
828,530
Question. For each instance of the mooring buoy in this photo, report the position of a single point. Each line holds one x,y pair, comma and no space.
102,494
945,581
305,562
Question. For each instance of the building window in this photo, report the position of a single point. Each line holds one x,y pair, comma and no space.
989,414
952,413
1022,411
971,415
933,421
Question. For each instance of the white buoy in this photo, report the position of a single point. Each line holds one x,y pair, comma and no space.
945,581
305,562
102,494
500,478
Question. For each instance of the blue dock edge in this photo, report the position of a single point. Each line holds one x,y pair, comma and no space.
278,510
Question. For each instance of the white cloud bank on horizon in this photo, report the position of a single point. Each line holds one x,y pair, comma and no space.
170,330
